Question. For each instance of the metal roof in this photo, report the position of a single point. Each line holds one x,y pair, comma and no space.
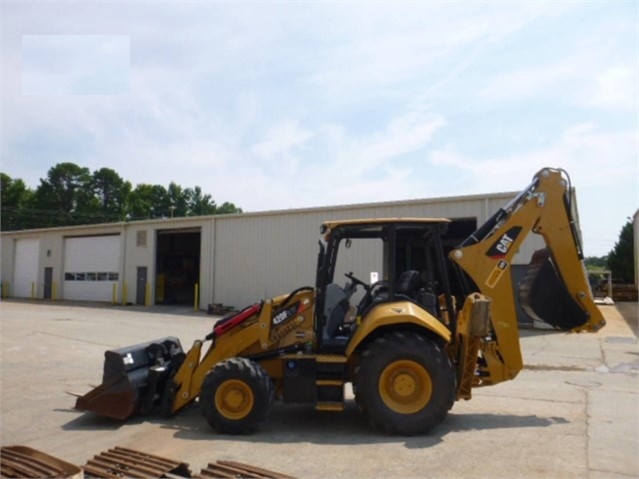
331,224
293,211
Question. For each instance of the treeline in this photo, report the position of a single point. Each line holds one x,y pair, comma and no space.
73,195
621,259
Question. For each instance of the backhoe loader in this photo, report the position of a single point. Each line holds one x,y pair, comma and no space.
435,324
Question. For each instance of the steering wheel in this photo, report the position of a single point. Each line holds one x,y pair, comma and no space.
358,281
370,290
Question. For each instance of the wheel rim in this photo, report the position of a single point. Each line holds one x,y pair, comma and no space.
234,399
405,386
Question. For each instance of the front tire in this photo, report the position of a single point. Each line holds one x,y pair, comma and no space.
404,383
236,396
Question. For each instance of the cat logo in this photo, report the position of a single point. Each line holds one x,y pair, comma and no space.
500,248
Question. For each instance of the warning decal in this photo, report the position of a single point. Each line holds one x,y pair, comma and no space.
496,273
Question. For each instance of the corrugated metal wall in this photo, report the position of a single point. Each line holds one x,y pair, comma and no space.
252,256
262,255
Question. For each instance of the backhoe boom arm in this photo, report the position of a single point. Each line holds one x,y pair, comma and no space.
556,288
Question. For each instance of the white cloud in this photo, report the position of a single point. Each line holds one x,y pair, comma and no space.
405,43
403,135
595,158
615,88
286,105
75,64
281,139
583,80
530,82
350,169
602,166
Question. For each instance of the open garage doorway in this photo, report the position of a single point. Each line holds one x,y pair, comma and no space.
177,265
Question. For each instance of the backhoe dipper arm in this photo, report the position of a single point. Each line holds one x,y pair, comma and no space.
556,288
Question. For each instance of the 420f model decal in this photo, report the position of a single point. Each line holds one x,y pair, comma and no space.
286,314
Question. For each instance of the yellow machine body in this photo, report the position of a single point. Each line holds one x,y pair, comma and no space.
412,345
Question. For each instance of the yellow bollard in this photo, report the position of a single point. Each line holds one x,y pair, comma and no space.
5,289
196,303
33,289
124,293
114,293
54,290
147,294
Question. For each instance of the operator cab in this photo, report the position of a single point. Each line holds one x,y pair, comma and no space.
359,249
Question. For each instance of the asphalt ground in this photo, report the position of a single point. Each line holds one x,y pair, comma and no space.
572,412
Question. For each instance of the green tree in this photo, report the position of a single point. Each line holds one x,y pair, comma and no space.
228,208
65,186
14,191
149,201
199,204
111,193
16,198
621,258
179,200
596,262
65,194
72,195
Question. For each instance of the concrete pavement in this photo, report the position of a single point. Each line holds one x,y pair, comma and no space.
572,412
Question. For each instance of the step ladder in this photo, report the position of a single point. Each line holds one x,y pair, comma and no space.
330,379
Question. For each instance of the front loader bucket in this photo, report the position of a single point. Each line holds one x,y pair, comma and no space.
133,378
544,295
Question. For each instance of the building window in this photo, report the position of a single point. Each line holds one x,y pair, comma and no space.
100,276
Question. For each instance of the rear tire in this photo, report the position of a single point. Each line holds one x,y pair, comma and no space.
236,396
404,383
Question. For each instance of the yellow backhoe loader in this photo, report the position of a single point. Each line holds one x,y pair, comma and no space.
440,320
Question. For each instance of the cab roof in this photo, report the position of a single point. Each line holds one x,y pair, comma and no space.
381,221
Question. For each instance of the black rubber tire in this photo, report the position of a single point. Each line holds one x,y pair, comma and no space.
422,365
236,396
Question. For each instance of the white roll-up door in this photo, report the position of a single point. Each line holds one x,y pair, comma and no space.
91,267
25,273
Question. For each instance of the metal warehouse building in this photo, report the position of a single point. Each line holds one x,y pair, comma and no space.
231,259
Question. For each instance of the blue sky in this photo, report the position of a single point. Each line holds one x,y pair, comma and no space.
288,105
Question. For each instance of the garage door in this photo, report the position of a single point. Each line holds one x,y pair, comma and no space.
25,272
91,267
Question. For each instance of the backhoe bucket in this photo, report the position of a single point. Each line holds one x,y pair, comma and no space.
544,295
133,379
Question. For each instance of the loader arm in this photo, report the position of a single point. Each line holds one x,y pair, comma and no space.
258,331
557,290
187,382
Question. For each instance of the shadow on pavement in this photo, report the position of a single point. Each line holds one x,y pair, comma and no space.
295,424
92,422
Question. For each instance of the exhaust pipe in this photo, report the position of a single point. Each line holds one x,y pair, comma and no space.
134,379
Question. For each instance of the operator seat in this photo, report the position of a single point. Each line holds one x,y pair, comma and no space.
335,308
408,284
